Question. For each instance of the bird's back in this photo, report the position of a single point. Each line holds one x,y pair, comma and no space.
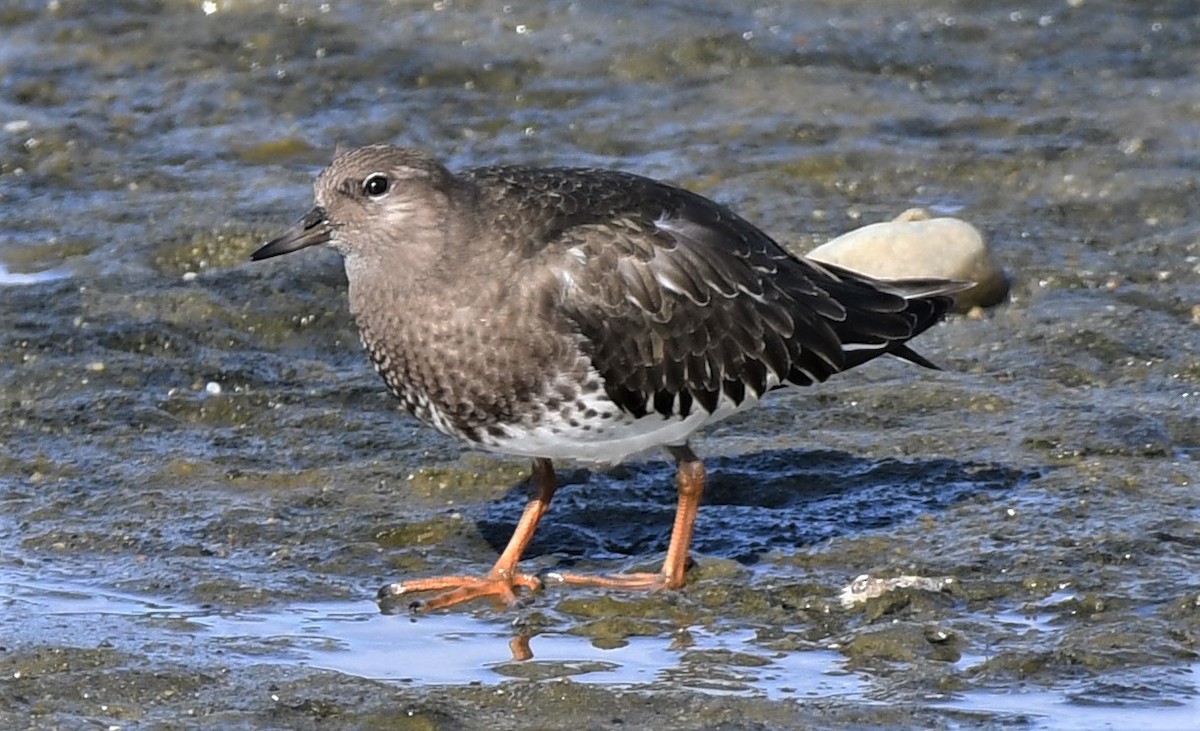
682,304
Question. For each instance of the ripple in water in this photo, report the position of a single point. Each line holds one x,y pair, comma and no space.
14,278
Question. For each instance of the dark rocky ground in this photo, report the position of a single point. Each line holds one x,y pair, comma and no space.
203,483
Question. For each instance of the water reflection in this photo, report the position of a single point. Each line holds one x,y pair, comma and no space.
458,649
15,278
450,649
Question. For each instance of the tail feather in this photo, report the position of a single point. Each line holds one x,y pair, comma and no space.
883,315
903,352
922,288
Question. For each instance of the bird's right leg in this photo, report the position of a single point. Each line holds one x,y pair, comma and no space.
502,581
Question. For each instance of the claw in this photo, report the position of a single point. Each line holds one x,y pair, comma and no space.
625,582
452,590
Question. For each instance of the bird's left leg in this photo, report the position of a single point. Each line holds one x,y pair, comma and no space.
689,478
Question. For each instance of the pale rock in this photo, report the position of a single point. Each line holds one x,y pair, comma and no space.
916,245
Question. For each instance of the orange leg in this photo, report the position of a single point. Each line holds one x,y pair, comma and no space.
501,582
689,476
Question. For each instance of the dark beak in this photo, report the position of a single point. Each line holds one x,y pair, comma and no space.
311,230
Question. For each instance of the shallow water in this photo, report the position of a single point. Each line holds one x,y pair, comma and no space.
354,639
202,483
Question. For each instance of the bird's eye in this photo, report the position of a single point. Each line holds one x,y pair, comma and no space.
376,185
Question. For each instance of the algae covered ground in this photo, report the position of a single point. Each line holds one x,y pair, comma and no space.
203,483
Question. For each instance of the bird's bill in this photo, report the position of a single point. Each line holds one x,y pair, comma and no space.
311,230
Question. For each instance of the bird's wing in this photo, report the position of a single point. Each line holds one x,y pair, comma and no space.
679,302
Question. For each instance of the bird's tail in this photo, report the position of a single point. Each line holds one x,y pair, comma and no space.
883,315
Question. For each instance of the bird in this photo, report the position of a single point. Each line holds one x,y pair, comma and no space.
586,314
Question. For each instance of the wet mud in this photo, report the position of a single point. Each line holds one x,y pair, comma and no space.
203,483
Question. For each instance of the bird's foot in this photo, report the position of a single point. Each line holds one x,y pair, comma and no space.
621,582
499,586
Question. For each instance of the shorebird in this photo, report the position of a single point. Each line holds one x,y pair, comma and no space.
571,313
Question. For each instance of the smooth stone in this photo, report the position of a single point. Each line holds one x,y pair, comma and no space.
915,245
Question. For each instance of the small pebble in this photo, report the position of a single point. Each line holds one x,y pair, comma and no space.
866,587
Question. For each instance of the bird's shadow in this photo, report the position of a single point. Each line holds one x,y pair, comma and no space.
753,503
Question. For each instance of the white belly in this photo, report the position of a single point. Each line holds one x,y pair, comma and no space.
607,440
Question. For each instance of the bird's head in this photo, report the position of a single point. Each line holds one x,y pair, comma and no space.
373,204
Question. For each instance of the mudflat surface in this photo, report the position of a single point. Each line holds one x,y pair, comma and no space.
202,482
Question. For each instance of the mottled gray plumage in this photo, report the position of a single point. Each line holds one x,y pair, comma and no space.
562,312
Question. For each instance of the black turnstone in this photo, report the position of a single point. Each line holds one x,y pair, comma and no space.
584,314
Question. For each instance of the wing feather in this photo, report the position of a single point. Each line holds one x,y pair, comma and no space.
677,301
